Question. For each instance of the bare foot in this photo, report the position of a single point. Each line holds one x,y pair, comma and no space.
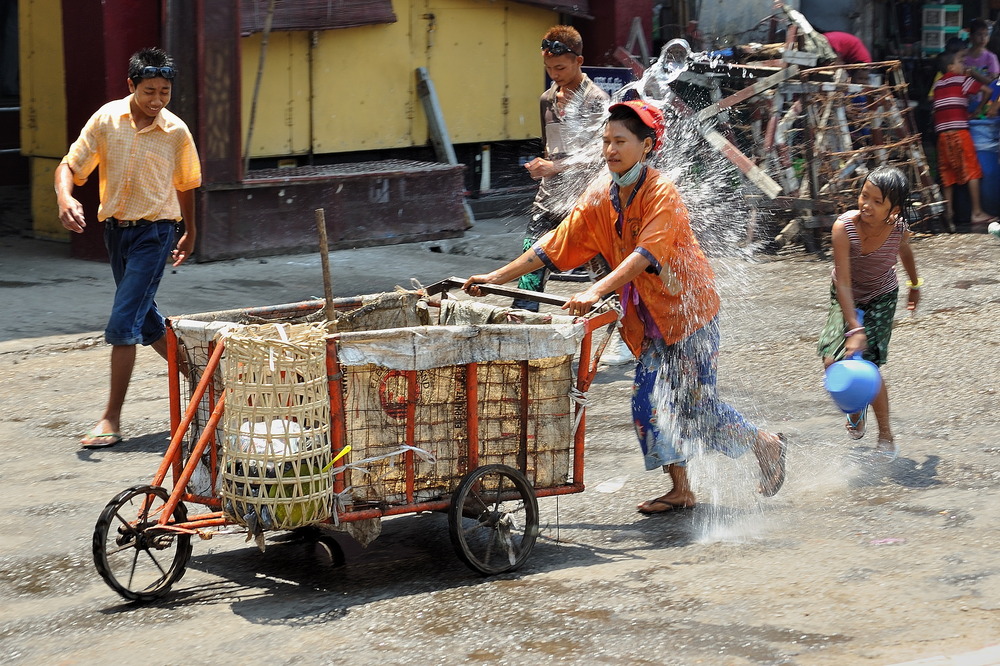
887,448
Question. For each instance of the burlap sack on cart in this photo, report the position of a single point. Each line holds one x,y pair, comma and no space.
276,428
382,400
197,332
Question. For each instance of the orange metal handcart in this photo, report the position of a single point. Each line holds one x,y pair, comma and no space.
439,404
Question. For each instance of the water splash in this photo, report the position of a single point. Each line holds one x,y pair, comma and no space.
720,213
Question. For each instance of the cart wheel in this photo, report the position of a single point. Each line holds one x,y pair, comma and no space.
137,560
493,519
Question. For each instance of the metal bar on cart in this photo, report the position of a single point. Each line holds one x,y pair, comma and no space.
201,499
522,418
192,525
284,310
472,414
411,432
207,435
213,454
173,449
581,410
440,505
338,434
495,290
173,379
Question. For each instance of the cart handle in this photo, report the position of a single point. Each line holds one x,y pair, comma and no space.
496,290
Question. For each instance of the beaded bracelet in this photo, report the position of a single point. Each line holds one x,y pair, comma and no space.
859,329
915,285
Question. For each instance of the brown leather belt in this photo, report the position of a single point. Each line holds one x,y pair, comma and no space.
134,223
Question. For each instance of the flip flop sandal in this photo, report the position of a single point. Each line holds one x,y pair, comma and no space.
102,440
856,429
648,510
771,484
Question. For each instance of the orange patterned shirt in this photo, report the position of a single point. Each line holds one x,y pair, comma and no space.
141,171
656,226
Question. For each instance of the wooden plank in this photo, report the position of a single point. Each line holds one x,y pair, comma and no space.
800,58
628,60
748,92
754,173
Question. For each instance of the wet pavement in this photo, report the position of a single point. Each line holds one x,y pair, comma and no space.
854,562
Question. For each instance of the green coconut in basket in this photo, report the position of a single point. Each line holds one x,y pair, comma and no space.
294,507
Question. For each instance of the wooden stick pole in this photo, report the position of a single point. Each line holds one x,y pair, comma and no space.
324,253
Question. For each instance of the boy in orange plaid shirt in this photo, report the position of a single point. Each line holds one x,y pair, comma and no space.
149,169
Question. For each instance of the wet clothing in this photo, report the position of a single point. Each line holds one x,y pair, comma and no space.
653,223
951,99
569,132
872,274
675,336
570,136
957,159
675,401
877,315
875,289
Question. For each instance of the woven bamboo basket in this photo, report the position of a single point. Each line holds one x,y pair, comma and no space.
276,427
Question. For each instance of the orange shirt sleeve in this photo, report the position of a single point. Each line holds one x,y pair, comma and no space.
573,242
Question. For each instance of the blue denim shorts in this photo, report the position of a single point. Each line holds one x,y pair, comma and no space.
138,256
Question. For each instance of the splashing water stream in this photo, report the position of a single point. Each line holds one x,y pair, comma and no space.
715,195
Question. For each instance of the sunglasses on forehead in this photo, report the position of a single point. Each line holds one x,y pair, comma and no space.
556,48
156,72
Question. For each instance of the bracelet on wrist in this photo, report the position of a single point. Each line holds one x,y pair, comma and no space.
859,329
915,285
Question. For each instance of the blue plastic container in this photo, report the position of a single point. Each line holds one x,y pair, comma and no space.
853,382
986,137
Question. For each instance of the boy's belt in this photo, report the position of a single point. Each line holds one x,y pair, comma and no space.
134,223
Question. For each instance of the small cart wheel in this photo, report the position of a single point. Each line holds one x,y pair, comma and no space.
493,519
135,556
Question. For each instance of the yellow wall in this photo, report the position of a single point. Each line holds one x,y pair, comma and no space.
43,107
482,56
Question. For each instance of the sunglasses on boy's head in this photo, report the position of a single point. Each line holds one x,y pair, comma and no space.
156,72
556,48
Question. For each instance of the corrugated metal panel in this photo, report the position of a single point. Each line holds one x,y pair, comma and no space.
314,14
572,7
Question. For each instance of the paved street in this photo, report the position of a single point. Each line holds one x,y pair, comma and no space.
854,562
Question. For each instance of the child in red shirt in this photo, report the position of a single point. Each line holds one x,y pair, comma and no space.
957,161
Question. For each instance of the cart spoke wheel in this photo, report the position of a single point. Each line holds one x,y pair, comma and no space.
134,556
493,519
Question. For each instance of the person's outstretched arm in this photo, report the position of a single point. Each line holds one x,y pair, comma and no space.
526,263
582,302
